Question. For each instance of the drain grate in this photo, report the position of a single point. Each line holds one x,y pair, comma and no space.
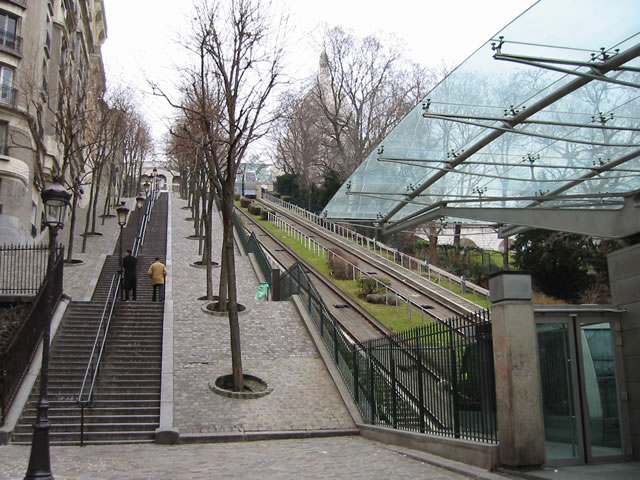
341,305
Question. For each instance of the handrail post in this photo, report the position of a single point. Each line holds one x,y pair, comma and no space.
454,383
420,387
82,425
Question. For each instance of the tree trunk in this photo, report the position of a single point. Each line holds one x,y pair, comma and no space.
88,219
505,254
72,226
433,250
107,205
208,238
230,292
94,210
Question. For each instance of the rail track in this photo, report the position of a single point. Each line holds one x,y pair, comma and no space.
428,298
355,321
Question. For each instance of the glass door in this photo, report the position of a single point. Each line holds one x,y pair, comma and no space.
579,389
600,396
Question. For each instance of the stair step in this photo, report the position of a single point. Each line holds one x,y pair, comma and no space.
99,437
94,424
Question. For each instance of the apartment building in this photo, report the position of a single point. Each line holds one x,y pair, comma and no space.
49,55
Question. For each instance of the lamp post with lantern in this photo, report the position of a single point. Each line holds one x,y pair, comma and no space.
56,200
123,211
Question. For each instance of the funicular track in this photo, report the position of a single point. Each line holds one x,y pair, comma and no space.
355,321
427,297
361,326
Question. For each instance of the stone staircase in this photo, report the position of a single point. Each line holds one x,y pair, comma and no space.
126,401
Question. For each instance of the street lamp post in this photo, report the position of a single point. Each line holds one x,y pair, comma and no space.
146,186
56,200
123,211
139,204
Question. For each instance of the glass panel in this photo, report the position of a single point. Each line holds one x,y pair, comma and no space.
558,396
562,144
601,391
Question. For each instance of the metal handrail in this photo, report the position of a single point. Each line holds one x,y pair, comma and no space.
139,242
91,366
85,400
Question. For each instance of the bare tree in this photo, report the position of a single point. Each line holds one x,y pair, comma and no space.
239,54
364,88
299,141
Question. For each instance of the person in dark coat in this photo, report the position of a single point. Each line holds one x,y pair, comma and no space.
129,263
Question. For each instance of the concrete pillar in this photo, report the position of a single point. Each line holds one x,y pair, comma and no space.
515,353
624,280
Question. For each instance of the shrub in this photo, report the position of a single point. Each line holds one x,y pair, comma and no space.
341,264
374,298
381,299
236,196
264,214
367,285
245,202
254,209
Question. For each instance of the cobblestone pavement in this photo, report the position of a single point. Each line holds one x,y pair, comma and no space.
275,347
352,458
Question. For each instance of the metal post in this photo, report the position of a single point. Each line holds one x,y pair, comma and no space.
356,393
454,382
39,459
420,372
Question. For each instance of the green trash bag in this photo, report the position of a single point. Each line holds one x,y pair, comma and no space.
262,293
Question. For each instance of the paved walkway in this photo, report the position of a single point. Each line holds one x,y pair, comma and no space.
350,458
275,347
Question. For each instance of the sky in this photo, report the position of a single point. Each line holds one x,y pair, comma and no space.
144,37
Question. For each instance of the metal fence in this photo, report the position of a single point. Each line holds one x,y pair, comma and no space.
22,269
436,379
251,244
16,357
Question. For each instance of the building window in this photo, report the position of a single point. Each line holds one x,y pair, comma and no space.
7,92
4,145
8,30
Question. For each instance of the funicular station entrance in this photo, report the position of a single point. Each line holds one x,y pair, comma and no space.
539,128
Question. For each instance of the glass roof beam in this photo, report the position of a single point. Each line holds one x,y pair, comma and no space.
571,86
434,211
509,129
599,125
596,222
541,62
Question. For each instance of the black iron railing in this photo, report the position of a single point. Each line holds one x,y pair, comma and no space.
10,40
240,230
85,395
23,268
436,379
16,357
8,95
142,227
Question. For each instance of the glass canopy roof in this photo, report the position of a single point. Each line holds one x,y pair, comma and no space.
545,116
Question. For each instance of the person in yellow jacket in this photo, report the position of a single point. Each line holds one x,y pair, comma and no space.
157,272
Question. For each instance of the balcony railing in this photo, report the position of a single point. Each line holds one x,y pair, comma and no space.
8,95
11,41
